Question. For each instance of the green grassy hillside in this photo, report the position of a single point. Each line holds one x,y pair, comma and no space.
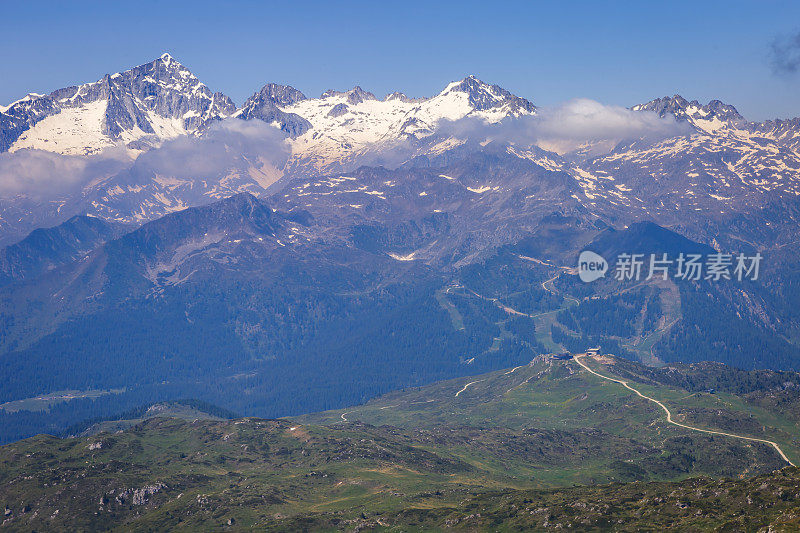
560,395
506,450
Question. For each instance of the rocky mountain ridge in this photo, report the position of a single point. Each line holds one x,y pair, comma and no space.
719,168
138,107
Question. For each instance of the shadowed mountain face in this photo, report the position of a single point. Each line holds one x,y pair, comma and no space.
47,249
644,238
228,297
306,302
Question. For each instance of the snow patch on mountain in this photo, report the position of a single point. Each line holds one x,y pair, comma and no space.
138,108
346,125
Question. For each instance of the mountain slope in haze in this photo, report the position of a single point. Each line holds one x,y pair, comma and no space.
272,298
447,214
162,253
543,434
46,249
233,296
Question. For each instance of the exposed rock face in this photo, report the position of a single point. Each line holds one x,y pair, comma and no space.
356,95
338,110
280,95
483,97
22,115
397,95
149,103
264,105
683,109
138,496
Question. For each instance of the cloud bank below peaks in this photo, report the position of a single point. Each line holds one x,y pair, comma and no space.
579,124
228,144
44,175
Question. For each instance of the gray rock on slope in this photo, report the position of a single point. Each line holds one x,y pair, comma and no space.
264,105
135,98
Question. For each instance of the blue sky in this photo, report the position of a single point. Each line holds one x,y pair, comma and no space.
617,53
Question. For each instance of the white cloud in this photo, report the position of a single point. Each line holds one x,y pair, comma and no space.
235,143
570,126
216,152
41,175
46,175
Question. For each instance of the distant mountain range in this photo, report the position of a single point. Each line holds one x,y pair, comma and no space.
300,254
719,165
148,104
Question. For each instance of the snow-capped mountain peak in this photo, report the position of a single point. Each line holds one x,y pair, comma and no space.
718,165
356,95
710,117
719,119
139,107
483,96
162,99
339,126
267,105
397,95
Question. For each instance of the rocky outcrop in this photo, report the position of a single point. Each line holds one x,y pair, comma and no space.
134,101
264,105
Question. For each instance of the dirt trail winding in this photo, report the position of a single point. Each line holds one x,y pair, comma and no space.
467,385
669,414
